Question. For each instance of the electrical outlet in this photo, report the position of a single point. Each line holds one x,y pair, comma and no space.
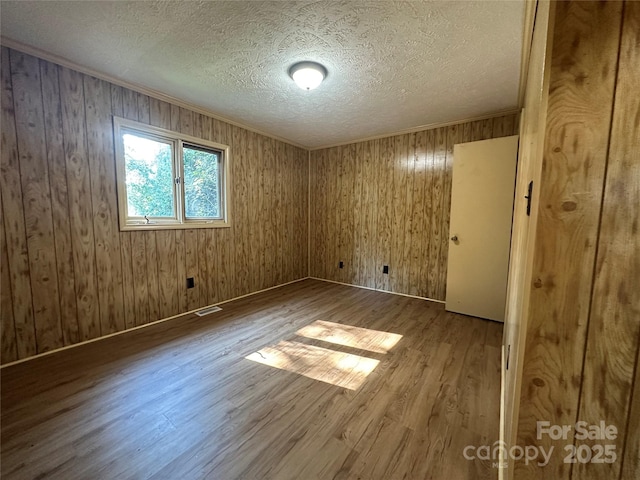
191,282
385,269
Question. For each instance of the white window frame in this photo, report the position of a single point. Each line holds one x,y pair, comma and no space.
177,142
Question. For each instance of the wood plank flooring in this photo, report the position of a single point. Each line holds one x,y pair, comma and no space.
181,400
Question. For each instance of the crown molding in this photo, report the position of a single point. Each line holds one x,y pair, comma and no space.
50,57
429,126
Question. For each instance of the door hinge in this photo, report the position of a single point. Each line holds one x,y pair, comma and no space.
177,180
528,197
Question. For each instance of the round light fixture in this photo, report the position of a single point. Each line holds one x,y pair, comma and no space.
307,75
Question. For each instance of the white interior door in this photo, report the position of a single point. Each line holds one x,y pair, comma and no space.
480,226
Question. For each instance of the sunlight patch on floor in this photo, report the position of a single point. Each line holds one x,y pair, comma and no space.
355,337
337,368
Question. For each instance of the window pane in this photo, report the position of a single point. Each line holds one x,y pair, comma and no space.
201,183
149,177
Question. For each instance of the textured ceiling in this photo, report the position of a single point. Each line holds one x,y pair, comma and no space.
392,65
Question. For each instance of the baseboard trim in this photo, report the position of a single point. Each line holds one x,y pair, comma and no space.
190,312
377,290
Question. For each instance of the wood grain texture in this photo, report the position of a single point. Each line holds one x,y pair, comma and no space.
181,269
151,250
140,282
415,247
241,224
454,135
80,211
136,404
425,237
59,201
126,254
385,181
128,281
578,303
9,351
614,319
623,227
84,276
585,46
104,205
631,449
36,198
437,194
523,229
13,221
386,202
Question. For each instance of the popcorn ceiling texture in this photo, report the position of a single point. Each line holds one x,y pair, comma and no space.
392,65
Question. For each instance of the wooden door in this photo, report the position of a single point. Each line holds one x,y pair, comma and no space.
480,227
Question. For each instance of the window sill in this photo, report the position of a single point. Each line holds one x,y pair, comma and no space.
174,226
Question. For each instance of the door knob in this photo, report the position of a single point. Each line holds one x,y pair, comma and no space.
454,238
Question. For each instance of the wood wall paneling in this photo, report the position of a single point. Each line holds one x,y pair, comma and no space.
240,225
369,229
267,211
181,269
386,202
439,166
577,128
317,224
9,351
279,221
126,260
153,286
581,310
80,212
347,195
36,197
59,201
358,218
64,253
453,137
630,451
385,183
613,336
415,247
212,242
261,212
252,200
299,234
400,220
422,263
103,200
333,224
14,225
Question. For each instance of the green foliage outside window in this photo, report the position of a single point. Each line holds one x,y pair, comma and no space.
150,179
202,199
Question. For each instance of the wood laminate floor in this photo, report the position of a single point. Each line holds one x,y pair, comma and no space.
279,385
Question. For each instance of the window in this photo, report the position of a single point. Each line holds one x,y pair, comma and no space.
169,180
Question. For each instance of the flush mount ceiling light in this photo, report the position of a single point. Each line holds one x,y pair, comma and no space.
307,75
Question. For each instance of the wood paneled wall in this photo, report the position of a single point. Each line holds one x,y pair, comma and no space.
68,273
582,322
386,202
